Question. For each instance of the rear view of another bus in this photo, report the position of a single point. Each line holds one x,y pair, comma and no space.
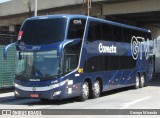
157,58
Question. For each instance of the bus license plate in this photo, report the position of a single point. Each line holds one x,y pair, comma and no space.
34,95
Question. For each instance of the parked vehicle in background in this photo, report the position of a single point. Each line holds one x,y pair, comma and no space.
157,58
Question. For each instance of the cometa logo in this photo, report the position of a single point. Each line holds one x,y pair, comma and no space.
107,49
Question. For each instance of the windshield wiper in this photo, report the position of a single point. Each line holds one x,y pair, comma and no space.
20,77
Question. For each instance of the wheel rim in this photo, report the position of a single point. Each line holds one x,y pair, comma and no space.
142,80
85,90
137,81
96,88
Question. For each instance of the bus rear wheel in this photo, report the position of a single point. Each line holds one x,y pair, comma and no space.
96,89
84,91
137,83
142,81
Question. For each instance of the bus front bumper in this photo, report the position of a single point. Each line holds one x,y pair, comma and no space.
55,91
50,94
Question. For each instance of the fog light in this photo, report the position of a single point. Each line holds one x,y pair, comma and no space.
16,93
56,93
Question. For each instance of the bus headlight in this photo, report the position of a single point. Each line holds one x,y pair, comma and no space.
56,93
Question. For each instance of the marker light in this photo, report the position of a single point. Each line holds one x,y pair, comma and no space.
20,35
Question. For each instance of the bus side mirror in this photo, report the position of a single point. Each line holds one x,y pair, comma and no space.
5,50
20,56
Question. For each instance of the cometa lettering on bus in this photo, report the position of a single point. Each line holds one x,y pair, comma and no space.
107,49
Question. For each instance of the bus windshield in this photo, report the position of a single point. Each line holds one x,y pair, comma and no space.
43,31
37,64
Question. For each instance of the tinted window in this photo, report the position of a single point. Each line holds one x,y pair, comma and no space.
135,33
117,34
143,35
76,28
109,63
43,31
114,63
91,64
127,35
107,34
127,62
94,32
131,62
123,62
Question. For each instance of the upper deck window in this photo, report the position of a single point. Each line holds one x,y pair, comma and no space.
43,31
76,28
94,32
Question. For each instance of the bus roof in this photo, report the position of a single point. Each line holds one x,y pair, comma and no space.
85,17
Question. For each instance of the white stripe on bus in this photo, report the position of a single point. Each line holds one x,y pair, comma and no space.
46,88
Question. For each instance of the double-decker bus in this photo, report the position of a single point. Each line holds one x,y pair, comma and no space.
64,56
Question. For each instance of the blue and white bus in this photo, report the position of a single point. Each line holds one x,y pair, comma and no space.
64,56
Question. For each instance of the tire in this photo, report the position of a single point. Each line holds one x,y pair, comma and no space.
142,81
137,84
96,89
84,91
